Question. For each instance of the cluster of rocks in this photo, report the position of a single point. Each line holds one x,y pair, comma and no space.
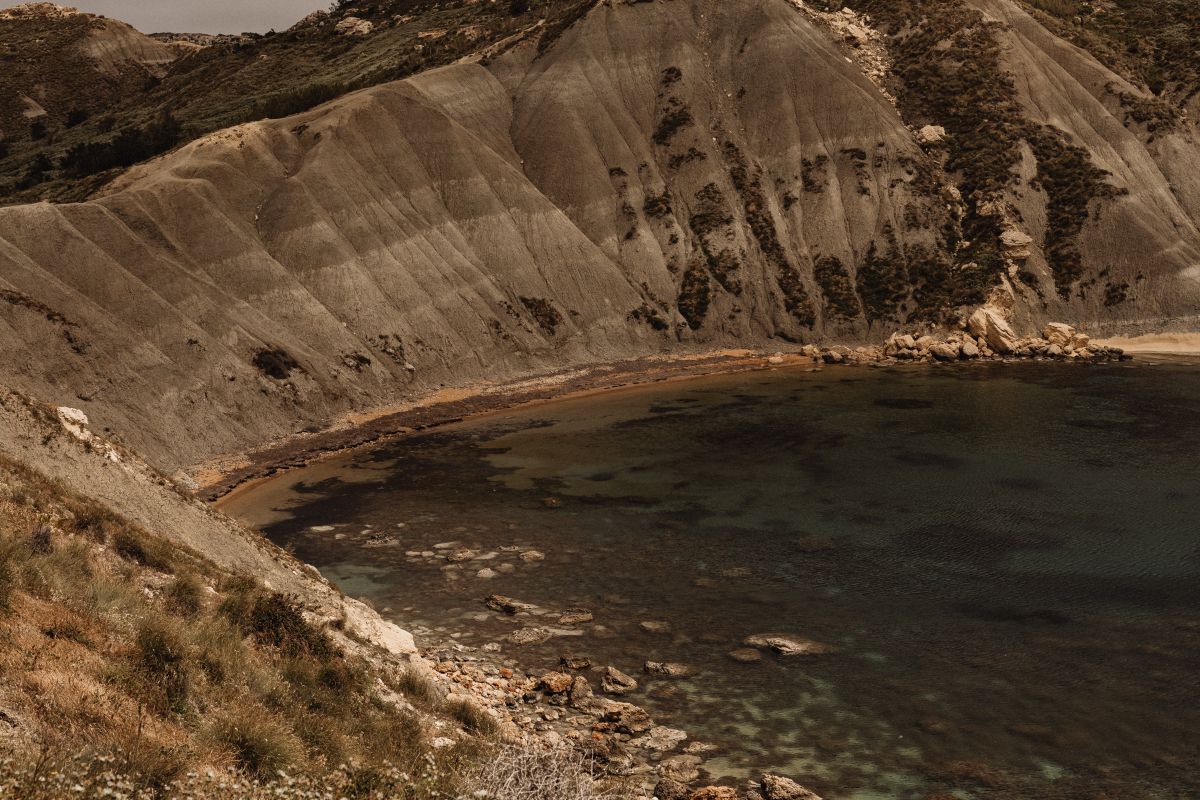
987,335
563,708
585,705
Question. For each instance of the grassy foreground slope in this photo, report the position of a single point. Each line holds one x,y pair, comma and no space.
131,665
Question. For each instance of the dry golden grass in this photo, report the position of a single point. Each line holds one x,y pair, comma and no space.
125,667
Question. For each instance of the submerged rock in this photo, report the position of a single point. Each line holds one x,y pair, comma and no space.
535,635
777,787
684,768
655,626
625,718
746,655
788,645
507,605
661,739
616,682
575,616
576,663
667,669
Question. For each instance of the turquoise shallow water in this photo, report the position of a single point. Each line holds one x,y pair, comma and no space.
1005,557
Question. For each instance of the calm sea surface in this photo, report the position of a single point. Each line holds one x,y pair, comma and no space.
1006,558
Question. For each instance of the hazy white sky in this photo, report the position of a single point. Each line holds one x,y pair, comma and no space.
199,16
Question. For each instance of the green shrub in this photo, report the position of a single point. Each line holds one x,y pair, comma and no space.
162,664
695,294
417,687
133,545
546,315
673,121
472,717
185,596
259,744
275,620
840,298
8,577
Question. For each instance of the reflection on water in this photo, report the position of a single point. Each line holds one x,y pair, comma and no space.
1005,557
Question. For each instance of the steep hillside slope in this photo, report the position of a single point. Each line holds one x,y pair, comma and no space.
656,176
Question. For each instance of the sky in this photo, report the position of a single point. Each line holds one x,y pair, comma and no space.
200,16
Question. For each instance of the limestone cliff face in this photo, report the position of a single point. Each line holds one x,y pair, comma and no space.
665,176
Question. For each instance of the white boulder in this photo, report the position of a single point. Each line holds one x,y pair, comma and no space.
989,324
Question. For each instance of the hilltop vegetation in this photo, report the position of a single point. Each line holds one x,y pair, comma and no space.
111,121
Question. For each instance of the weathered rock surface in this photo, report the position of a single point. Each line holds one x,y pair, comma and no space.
613,681
777,787
989,324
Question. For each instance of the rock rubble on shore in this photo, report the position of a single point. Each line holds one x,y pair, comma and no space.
986,335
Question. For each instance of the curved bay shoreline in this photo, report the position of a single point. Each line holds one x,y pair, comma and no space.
561,708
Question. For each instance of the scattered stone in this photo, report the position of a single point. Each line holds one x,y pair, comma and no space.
441,743
786,645
683,768
626,718
581,692
613,681
944,351
746,655
1058,333
970,349
667,669
556,682
668,789
576,663
533,555
575,616
461,555
661,739
715,793
534,635
486,574
777,787
507,605
931,134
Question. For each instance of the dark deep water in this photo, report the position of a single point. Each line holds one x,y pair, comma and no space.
1005,556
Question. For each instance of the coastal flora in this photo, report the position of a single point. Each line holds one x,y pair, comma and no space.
545,314
695,294
674,119
276,363
762,225
841,300
882,283
136,677
1071,183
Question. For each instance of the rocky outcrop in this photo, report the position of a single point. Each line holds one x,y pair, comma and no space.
777,787
613,681
990,325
